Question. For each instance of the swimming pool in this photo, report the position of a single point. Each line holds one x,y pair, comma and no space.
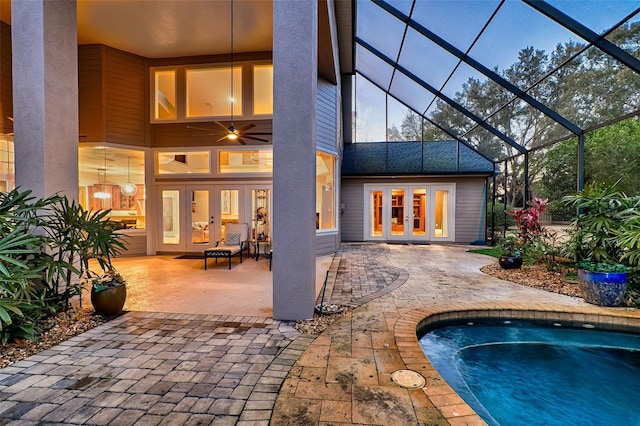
515,373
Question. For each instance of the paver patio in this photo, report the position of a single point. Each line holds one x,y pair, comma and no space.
155,368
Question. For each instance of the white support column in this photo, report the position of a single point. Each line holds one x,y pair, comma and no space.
45,96
295,64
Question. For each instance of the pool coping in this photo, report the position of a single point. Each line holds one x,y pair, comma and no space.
436,389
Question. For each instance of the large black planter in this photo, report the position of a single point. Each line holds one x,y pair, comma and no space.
109,301
602,288
510,262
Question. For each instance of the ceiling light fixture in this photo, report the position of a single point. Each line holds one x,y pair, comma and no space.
129,188
103,194
233,132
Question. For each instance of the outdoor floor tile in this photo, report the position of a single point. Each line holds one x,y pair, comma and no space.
152,368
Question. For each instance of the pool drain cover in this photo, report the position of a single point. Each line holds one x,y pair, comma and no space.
408,379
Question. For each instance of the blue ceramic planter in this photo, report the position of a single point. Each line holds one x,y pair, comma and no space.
603,288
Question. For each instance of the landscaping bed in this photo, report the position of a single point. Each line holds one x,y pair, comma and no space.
56,329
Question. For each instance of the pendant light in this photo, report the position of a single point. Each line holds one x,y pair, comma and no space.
129,188
233,132
103,194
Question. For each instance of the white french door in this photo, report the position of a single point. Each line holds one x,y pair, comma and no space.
410,213
194,216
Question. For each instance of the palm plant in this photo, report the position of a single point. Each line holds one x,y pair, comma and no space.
594,234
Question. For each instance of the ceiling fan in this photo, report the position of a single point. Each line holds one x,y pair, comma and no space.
232,132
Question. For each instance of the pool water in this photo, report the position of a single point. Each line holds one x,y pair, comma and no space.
527,374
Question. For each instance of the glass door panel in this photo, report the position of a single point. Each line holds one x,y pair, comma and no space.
397,212
200,200
229,209
441,214
261,214
418,224
171,217
376,228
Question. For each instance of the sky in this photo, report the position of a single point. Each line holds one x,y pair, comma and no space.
514,27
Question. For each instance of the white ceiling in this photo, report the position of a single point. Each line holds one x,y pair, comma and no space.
171,28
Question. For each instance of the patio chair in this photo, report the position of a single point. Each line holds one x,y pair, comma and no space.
236,241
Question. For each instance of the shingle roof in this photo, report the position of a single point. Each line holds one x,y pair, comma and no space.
413,158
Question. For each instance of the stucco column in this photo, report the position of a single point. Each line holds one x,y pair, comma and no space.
45,96
295,65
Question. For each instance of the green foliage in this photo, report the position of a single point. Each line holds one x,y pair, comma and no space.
632,293
612,156
607,229
41,242
588,265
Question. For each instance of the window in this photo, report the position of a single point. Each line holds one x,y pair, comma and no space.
209,92
7,165
113,178
262,89
181,162
183,93
325,191
165,95
245,161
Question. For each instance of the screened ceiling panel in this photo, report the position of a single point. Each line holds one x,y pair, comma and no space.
458,22
558,77
489,145
426,59
587,93
410,92
377,70
515,27
525,124
598,15
627,37
449,118
379,29
370,112
403,6
480,87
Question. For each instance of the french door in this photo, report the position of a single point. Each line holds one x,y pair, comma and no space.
194,216
410,213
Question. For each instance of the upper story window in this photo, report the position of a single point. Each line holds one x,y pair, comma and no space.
209,92
165,95
262,89
185,93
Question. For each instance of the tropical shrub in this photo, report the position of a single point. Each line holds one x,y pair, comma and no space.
599,232
45,245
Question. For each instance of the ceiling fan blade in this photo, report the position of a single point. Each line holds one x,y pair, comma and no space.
255,139
241,141
10,118
222,126
254,134
222,138
245,128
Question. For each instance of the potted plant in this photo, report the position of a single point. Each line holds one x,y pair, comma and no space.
596,243
77,236
514,247
108,291
510,252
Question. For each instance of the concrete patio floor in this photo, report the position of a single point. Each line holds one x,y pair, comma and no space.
188,368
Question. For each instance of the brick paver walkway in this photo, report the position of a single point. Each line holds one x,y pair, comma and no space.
181,369
149,369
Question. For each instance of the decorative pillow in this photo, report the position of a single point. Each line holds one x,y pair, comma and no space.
232,240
